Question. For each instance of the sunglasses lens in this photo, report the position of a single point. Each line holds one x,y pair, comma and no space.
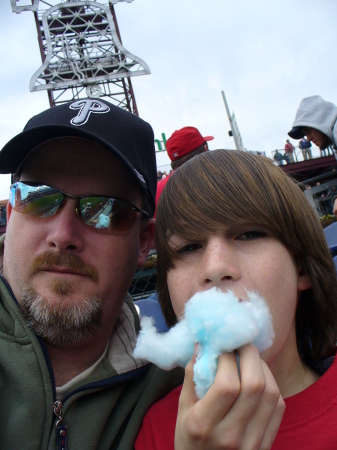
107,213
104,213
38,201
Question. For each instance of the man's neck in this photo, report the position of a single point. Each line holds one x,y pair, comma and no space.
68,362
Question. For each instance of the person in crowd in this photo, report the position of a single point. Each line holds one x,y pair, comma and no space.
286,157
316,119
278,157
240,223
332,193
305,147
289,151
183,145
79,224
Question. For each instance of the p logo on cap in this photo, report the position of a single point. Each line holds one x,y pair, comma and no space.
87,107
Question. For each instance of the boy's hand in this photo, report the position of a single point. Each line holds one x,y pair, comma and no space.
234,414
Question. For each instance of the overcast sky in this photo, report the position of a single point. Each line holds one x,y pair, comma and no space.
266,55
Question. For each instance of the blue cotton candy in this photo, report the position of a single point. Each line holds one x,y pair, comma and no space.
166,350
219,322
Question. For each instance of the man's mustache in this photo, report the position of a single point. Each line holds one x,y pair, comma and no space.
71,261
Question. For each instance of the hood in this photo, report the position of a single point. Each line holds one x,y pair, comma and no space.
316,113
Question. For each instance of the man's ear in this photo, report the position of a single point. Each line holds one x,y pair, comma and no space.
9,210
146,240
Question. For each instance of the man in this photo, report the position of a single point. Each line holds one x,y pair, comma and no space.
316,119
79,224
278,157
183,145
305,147
289,152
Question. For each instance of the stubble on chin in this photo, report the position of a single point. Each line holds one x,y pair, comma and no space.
62,322
64,288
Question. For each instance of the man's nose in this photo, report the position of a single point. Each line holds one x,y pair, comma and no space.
219,265
308,135
66,228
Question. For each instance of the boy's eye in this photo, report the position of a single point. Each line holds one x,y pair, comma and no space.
188,248
251,234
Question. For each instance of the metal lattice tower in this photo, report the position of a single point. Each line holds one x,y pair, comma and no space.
82,53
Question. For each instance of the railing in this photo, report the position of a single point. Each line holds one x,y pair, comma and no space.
145,279
3,216
298,155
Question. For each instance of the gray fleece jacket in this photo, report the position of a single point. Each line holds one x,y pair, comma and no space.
316,113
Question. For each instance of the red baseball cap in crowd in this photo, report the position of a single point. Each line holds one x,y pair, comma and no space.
185,141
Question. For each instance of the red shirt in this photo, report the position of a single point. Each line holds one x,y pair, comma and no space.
289,148
309,421
160,186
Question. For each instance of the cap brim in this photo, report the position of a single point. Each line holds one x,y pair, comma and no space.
208,138
17,149
296,133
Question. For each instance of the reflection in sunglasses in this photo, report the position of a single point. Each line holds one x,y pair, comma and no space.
106,213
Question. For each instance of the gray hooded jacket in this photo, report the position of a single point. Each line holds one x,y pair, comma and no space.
314,112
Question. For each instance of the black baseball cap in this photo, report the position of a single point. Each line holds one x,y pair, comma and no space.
296,133
125,135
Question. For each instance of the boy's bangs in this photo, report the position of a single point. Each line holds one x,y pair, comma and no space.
217,196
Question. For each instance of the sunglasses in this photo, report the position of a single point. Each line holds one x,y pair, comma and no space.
100,212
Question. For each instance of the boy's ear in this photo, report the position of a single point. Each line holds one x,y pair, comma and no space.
304,281
146,240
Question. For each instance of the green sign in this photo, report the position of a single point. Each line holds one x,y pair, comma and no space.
160,145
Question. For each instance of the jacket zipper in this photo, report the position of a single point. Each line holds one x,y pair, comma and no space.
61,427
61,424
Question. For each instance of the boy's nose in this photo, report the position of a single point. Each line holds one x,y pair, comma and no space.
219,265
